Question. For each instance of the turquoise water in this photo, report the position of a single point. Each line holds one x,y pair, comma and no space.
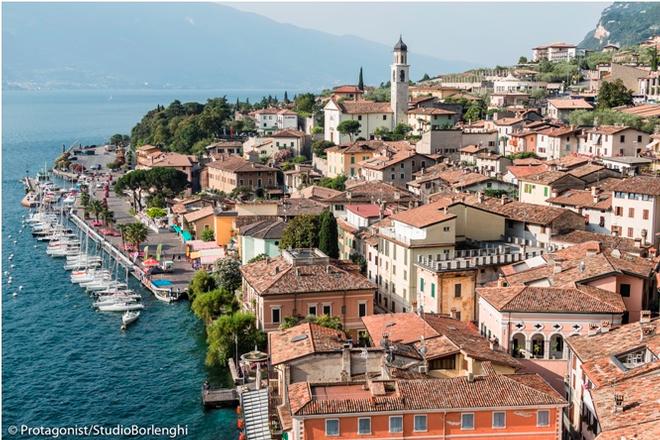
63,363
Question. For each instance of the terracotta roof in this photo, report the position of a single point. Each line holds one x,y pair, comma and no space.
364,106
523,171
557,131
583,198
366,210
276,276
469,179
288,133
607,129
528,161
473,149
644,110
172,160
381,162
507,121
639,418
569,161
639,185
489,391
609,241
527,212
291,207
423,216
269,229
404,328
545,178
316,192
347,89
596,351
237,164
147,147
302,340
266,111
199,214
556,45
225,144
570,104
371,192
430,111
585,170
577,299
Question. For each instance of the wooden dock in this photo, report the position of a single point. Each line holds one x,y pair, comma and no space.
219,397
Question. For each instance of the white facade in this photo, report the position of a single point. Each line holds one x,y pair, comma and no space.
626,142
287,119
369,122
555,147
636,216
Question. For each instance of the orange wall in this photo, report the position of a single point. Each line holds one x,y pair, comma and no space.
520,421
224,229
634,301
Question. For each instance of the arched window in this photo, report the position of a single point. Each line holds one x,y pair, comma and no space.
402,76
538,346
517,344
393,76
556,347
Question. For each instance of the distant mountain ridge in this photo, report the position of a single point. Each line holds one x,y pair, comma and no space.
175,45
625,24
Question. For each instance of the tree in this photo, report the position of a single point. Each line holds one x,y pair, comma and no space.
135,181
95,208
653,53
207,235
155,212
209,305
300,232
304,103
614,94
337,183
119,140
107,216
201,282
257,258
349,127
426,77
228,330
135,233
473,113
360,80
286,97
227,274
522,60
328,238
319,147
333,322
166,181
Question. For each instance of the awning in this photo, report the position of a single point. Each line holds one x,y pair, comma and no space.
186,236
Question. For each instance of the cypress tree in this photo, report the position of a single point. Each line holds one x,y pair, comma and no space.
328,240
238,105
286,97
360,80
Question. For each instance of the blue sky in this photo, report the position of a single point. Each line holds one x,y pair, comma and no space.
483,33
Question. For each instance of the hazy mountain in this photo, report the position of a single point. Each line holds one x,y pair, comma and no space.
175,45
625,24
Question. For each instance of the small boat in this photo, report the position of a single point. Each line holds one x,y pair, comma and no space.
129,318
108,301
121,307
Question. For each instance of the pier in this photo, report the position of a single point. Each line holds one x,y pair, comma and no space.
219,397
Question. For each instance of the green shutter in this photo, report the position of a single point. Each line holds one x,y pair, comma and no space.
432,290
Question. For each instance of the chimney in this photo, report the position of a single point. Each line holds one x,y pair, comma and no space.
453,313
556,268
493,343
501,282
480,197
618,403
645,317
581,266
503,200
594,193
470,377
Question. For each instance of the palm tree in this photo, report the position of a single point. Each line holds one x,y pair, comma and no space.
107,216
96,208
136,234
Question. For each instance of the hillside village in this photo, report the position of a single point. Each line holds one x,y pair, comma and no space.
471,254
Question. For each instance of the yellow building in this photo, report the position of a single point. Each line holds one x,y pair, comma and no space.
344,159
225,227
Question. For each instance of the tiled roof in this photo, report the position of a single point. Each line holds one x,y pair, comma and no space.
607,129
381,162
274,276
639,418
404,328
608,241
473,149
302,340
364,106
237,164
469,179
523,171
639,185
644,110
292,207
371,192
570,104
578,299
423,216
596,352
489,391
585,170
288,133
430,111
269,229
557,131
198,214
316,192
366,210
569,161
528,161
347,89
507,121
173,160
545,178
527,212
583,198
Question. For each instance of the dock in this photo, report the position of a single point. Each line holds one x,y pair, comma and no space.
219,397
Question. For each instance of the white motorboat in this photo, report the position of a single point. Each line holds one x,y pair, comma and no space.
104,285
121,307
82,265
129,318
89,275
107,302
102,280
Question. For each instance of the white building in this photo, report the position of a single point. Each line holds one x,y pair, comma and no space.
636,208
271,119
554,143
613,140
554,52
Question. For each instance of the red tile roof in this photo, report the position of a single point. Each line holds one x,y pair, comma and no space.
570,104
302,340
423,216
365,210
639,185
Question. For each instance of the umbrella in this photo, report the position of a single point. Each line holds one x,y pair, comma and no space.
149,262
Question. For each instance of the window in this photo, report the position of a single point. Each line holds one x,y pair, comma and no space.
327,309
448,363
384,117
639,138
364,425
457,290
499,419
421,284
467,421
545,191
311,309
622,138
362,309
601,222
446,228
352,159
543,418
645,214
432,290
275,315
332,427
359,117
420,423
630,232
618,211
631,212
624,290
396,424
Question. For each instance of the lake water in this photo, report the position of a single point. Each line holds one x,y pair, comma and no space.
63,363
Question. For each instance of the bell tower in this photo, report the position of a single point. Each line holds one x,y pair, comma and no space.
399,83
